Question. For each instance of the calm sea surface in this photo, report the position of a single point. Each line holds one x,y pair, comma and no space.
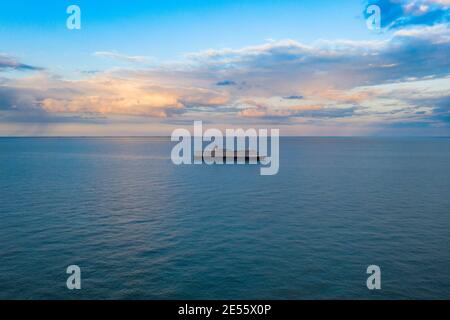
141,228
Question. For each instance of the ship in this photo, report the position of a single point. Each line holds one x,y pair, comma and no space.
247,156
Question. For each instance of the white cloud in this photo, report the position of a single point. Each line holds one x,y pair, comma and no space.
122,57
338,80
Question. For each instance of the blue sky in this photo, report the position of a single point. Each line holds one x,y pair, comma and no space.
144,67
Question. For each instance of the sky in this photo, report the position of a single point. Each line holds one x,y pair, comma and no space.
308,68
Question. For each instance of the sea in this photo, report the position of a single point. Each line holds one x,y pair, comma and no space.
140,227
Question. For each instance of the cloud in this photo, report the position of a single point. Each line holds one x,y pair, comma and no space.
329,112
18,98
102,95
226,83
282,67
7,62
304,111
121,57
438,108
294,97
111,96
342,82
402,13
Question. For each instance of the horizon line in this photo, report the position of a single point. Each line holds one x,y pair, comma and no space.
168,136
